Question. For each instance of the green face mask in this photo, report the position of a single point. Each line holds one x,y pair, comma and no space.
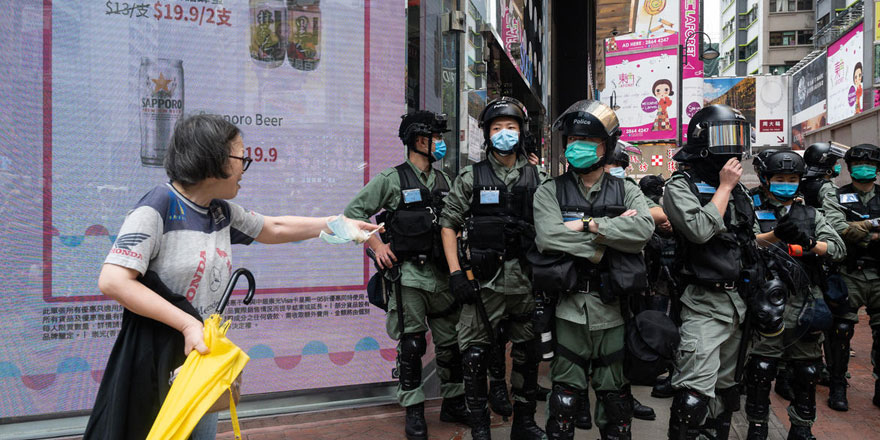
863,172
837,170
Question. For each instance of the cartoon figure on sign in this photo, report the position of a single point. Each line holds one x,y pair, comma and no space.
857,82
662,90
612,45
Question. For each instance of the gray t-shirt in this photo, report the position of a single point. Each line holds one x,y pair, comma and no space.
188,246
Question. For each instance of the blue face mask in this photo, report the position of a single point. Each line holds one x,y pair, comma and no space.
617,172
582,154
505,140
439,149
783,190
863,172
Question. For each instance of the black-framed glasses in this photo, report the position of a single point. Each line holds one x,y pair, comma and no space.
245,160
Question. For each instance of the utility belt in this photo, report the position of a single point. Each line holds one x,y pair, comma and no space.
862,263
563,273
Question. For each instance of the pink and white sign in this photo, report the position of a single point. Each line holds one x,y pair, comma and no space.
844,75
644,88
656,27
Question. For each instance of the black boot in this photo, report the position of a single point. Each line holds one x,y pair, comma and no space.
783,384
757,431
524,426
798,432
416,426
476,391
454,410
837,395
498,398
618,406
583,419
718,427
663,388
642,412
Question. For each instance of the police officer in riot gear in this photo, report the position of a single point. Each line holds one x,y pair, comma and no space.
592,219
491,205
854,213
412,195
801,232
712,217
821,161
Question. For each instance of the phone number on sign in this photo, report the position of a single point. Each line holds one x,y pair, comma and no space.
168,11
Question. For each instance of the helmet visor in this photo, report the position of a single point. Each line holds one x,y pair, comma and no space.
729,137
872,155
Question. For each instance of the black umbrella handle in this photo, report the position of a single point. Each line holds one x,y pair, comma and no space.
228,293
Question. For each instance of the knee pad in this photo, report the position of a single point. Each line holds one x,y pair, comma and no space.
690,407
618,406
805,374
842,330
730,398
413,346
760,371
563,405
474,359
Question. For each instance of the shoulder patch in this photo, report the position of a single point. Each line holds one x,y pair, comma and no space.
849,198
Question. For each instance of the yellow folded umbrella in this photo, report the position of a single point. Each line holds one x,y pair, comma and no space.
203,378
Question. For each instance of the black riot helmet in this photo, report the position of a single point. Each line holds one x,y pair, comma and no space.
820,158
652,187
782,162
760,159
592,119
504,106
862,152
421,123
718,132
619,157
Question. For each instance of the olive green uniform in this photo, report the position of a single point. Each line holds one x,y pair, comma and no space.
711,317
424,288
507,295
584,324
778,347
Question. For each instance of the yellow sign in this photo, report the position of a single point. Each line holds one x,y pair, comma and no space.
877,22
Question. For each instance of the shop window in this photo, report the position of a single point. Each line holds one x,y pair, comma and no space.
805,37
791,38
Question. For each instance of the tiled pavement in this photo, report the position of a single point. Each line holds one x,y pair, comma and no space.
861,422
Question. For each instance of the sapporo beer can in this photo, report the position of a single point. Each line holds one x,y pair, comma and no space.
268,43
161,93
304,50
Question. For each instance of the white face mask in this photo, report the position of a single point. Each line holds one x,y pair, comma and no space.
617,172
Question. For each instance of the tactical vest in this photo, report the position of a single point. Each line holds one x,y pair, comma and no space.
618,273
501,226
810,187
414,228
855,210
721,259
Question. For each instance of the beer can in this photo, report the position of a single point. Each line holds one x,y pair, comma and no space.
268,24
304,50
161,94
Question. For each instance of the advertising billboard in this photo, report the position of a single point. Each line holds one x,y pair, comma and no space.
317,90
643,86
771,111
656,27
844,75
808,104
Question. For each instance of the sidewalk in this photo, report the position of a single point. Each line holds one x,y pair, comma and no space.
861,422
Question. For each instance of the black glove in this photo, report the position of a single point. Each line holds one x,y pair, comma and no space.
463,289
790,233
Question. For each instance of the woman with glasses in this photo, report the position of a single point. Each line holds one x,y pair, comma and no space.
169,265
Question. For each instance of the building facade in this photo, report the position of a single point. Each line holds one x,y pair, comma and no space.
760,37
